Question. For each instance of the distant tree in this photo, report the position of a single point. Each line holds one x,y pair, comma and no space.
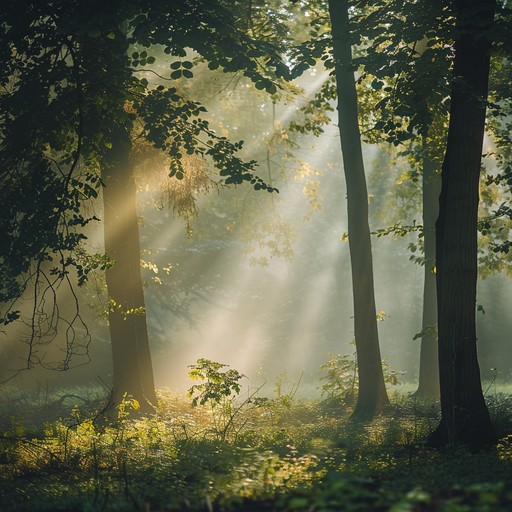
428,379
411,69
408,66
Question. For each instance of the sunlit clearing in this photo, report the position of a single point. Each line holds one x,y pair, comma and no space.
280,317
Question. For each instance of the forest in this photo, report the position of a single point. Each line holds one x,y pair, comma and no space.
255,255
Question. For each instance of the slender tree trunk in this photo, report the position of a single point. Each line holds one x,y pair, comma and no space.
465,419
132,368
428,385
372,395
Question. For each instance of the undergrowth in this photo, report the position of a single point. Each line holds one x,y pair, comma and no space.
218,449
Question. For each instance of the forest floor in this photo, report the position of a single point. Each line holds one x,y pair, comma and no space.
252,454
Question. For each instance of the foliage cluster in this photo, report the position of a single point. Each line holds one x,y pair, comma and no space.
73,103
341,379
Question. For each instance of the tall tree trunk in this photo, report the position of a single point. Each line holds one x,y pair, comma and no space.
132,368
428,385
465,419
372,395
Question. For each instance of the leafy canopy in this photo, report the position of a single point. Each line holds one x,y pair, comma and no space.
74,91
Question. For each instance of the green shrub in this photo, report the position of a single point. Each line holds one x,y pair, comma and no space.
340,381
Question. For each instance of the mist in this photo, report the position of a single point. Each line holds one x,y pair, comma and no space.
259,281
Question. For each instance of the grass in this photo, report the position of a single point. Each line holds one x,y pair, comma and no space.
280,453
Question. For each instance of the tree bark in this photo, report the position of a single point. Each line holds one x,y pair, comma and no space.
132,368
464,416
372,395
428,383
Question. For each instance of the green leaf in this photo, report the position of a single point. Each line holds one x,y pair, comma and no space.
377,84
282,70
271,89
10,317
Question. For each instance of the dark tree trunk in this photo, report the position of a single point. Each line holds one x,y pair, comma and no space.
372,395
465,419
132,368
428,385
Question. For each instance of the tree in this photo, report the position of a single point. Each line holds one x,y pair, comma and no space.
407,68
131,357
71,97
465,418
372,395
428,381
